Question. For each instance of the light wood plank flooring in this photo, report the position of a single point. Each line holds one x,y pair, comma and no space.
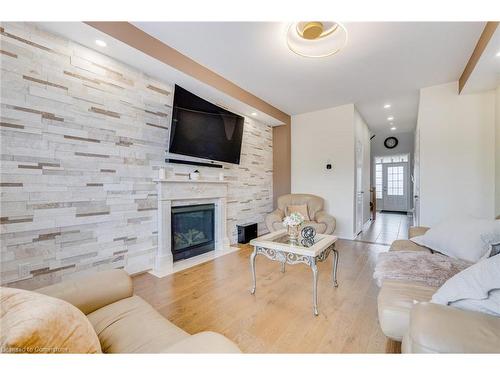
278,318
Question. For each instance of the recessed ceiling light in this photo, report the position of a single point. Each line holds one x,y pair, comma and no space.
390,118
393,128
254,113
498,54
100,43
387,106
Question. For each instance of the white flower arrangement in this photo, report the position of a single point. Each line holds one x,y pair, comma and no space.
293,220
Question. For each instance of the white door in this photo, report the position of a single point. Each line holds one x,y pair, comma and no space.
416,180
395,191
359,187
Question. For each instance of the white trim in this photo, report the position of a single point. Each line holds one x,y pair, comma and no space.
181,265
172,193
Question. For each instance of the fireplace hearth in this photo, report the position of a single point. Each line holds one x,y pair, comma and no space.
192,230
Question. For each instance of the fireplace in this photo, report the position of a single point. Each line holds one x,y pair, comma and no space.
192,230
177,193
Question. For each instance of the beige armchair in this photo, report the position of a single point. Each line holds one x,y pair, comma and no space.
125,323
319,219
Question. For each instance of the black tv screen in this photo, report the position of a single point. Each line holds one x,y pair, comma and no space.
204,130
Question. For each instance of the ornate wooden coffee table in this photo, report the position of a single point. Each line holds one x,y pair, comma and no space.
276,246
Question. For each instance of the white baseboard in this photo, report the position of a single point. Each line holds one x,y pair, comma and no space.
367,225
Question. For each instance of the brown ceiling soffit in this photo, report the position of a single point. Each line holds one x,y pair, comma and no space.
138,39
482,42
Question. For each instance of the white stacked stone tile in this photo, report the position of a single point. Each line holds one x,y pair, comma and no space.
82,137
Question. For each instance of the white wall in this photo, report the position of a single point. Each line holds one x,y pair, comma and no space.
362,132
318,138
405,144
457,153
497,152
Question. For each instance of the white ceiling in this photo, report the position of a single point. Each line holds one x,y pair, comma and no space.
486,74
404,108
383,62
86,35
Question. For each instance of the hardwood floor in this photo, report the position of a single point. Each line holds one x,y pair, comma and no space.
215,296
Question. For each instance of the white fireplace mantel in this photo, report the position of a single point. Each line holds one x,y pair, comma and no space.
177,192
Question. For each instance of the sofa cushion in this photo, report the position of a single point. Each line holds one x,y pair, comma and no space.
444,329
395,300
464,238
131,325
36,323
476,288
204,342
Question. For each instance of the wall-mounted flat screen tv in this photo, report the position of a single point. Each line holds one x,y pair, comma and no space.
203,130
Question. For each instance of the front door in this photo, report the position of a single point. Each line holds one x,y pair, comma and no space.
395,191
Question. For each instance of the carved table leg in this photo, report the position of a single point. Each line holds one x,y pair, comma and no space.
314,269
334,267
252,267
283,267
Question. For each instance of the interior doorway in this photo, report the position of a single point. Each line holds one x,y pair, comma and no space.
388,227
392,183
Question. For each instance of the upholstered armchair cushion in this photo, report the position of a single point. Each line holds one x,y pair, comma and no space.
90,293
301,209
319,219
274,220
323,218
313,202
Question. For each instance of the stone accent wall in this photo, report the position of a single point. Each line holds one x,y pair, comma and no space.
82,137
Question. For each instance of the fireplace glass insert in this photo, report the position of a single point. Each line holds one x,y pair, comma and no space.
192,230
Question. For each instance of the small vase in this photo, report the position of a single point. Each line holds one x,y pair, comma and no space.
293,233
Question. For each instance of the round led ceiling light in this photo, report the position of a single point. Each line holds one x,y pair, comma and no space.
316,38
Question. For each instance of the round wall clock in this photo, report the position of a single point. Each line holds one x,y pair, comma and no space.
391,142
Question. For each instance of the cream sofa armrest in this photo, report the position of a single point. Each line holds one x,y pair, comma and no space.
323,217
274,217
417,231
204,342
92,292
443,329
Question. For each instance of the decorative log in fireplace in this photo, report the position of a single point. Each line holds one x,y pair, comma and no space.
192,230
